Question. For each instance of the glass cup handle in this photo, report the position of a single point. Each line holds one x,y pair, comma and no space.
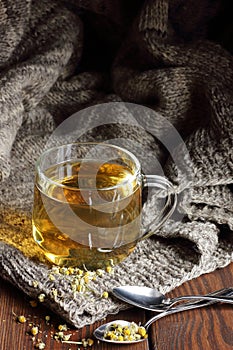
169,206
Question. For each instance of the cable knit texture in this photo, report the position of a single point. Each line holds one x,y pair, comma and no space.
173,56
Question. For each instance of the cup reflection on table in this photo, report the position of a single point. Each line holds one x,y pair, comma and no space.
87,204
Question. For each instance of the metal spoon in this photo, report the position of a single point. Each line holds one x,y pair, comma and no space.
151,299
100,331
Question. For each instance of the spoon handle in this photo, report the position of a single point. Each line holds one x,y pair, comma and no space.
216,298
226,292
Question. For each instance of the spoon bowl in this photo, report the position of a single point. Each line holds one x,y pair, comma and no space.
100,331
151,299
143,297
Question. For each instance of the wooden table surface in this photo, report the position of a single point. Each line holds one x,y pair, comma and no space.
201,329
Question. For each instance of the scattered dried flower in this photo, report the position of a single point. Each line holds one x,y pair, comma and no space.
21,319
54,292
47,319
35,284
41,297
108,269
34,330
66,337
51,277
60,336
40,345
62,327
105,295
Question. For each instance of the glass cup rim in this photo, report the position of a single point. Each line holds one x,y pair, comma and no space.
47,179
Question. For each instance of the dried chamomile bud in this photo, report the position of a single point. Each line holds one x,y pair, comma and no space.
40,345
34,330
62,327
47,319
105,295
41,297
21,319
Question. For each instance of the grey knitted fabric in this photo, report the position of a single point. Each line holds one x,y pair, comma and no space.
58,57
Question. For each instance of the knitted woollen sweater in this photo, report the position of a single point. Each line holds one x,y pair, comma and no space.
58,57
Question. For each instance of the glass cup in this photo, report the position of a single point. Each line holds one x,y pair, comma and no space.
88,204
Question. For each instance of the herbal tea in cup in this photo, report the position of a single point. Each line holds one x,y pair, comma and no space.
88,203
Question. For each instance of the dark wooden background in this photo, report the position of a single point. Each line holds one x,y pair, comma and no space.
209,328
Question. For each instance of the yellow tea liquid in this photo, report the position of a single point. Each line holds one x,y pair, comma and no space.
86,215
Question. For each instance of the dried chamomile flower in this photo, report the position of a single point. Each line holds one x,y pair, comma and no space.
35,284
66,337
47,319
142,332
41,297
54,292
51,277
55,269
79,272
108,269
61,336
62,327
90,342
34,330
71,270
87,342
105,295
64,270
118,332
100,272
21,319
40,345
58,336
